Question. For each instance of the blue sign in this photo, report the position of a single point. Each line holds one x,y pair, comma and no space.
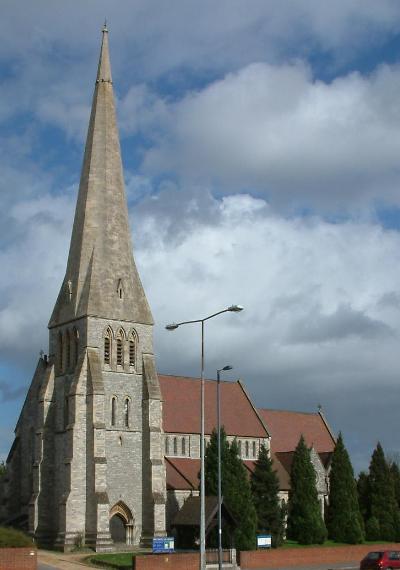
165,544
264,541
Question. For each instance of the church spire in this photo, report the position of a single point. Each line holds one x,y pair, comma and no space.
101,277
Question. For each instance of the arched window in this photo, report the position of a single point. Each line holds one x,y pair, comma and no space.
175,446
247,448
113,410
240,448
67,350
254,448
183,446
76,345
127,410
120,347
167,445
132,350
60,352
107,346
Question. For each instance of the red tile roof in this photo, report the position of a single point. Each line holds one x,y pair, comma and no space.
283,474
181,407
182,473
286,427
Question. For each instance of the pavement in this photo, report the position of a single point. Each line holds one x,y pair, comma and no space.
52,560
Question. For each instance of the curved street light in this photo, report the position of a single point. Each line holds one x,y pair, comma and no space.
172,327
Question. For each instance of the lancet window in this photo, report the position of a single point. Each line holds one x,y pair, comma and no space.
167,446
120,347
240,448
107,346
132,350
175,446
127,409
113,410
247,448
254,449
183,446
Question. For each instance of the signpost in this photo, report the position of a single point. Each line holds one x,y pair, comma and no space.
163,545
264,541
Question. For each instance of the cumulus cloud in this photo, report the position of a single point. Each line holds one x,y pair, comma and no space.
292,138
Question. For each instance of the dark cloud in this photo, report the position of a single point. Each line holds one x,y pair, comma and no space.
344,322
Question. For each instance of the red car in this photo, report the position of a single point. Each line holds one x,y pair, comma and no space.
381,560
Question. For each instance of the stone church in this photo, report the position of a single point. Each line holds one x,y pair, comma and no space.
100,454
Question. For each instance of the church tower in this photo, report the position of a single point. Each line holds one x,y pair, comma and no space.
92,421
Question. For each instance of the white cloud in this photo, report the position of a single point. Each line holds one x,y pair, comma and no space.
296,140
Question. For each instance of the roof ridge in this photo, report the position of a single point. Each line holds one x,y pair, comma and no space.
289,411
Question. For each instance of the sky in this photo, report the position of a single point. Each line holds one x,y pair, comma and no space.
261,148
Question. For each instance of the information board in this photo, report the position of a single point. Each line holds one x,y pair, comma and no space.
264,541
165,544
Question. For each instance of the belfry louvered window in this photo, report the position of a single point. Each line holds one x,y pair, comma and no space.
132,351
120,347
107,347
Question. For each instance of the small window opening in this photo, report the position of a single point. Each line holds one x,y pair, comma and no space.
254,448
247,448
240,448
183,446
175,446
167,446
113,410
126,411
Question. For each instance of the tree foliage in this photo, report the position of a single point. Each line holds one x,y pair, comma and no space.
344,520
382,504
305,522
265,489
236,489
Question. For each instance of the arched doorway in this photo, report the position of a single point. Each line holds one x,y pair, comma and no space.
121,524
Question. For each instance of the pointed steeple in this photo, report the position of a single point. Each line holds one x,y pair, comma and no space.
101,277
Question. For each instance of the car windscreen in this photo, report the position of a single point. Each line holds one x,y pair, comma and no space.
374,555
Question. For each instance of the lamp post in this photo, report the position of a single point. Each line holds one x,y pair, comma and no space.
171,327
227,367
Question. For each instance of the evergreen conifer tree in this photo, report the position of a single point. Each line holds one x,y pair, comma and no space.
236,489
265,489
395,472
344,520
363,495
305,522
382,501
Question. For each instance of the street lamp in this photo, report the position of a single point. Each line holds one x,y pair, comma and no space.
227,367
172,327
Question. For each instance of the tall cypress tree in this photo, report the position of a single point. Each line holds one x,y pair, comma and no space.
344,520
384,515
265,489
236,489
305,522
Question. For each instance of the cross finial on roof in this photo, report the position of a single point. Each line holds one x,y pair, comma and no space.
319,407
105,29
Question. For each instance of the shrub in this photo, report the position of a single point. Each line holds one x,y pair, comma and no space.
11,538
